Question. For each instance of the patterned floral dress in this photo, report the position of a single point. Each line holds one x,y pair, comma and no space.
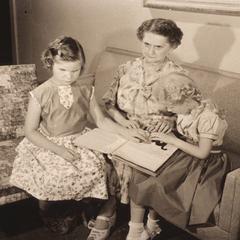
187,189
47,176
137,92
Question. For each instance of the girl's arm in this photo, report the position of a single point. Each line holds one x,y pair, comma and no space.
31,132
108,125
200,151
119,118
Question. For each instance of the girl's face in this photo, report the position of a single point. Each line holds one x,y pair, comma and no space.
183,108
155,47
66,72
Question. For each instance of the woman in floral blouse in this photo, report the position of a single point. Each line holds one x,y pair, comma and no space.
135,97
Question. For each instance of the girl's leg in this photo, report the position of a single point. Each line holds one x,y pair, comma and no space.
153,214
108,210
136,227
43,205
137,213
104,221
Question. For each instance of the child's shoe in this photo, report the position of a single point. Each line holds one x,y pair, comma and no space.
152,229
101,234
137,232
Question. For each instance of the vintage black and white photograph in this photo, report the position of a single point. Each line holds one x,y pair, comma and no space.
119,120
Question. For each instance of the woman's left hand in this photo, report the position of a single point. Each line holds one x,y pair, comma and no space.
167,138
135,135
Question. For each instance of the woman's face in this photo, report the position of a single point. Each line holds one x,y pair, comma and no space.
66,72
155,47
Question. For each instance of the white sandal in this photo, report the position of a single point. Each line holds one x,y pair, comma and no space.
151,233
101,234
137,232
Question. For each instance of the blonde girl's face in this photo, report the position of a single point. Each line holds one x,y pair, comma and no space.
155,47
66,72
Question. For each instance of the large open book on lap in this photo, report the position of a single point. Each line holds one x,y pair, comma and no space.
142,156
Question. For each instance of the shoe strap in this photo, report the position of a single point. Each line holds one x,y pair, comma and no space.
91,224
107,219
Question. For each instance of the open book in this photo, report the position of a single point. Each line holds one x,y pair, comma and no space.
142,156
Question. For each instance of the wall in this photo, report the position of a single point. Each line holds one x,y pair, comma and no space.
209,40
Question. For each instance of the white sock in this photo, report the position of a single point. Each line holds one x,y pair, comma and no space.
135,230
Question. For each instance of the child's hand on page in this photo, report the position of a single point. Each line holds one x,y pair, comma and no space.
163,126
167,138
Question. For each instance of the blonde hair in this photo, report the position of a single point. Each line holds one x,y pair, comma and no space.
178,87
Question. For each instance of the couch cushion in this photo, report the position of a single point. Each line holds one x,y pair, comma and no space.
8,193
15,83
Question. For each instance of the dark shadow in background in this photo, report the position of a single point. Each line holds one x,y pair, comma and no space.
5,39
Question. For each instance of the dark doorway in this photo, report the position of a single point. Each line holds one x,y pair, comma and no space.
6,57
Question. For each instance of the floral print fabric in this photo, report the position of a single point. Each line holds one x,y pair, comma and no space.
65,96
48,176
137,91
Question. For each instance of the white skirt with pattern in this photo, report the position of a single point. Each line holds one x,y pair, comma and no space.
47,176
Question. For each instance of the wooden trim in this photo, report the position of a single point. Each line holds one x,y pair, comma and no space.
224,8
14,31
189,65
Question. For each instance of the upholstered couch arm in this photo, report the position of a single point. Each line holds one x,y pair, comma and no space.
229,219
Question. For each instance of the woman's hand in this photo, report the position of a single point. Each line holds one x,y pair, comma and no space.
162,137
67,153
129,124
135,135
163,126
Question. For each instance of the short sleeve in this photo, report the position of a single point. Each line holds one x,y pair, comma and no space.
42,94
209,125
110,97
31,94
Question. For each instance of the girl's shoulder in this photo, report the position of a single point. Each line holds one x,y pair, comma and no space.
45,86
43,92
211,116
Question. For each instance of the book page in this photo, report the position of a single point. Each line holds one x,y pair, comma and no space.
149,156
100,140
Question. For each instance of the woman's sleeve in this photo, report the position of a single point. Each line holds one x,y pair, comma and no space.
110,97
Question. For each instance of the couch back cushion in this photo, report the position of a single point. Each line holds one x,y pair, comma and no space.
222,87
15,83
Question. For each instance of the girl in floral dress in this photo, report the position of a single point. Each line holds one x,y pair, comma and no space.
194,174
48,165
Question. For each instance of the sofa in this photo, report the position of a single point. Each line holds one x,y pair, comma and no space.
224,89
15,83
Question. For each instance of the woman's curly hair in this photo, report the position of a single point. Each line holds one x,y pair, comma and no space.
66,48
164,27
